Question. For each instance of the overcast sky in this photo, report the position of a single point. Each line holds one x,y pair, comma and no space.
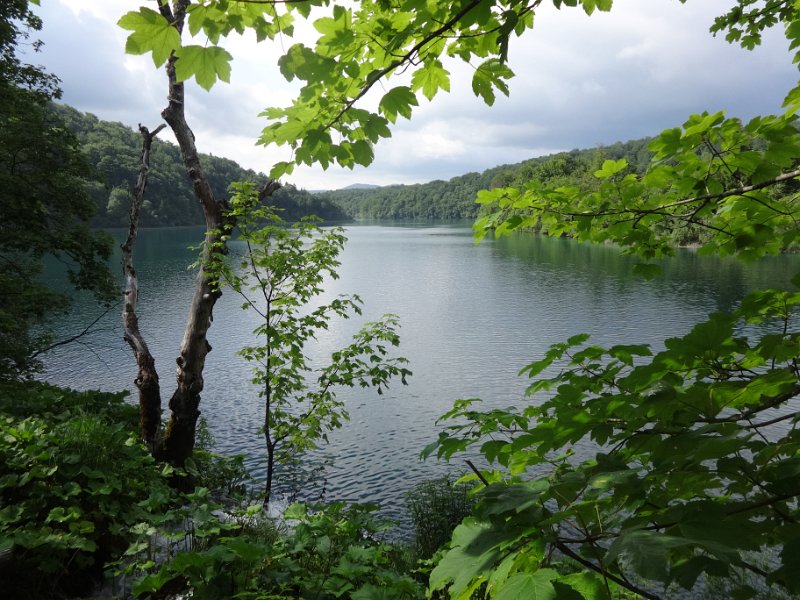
581,82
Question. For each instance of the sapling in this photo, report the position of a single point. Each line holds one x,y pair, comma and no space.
279,273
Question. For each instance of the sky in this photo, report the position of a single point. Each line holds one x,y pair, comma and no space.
580,82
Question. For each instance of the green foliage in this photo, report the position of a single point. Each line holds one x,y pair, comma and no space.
280,273
648,473
731,179
335,551
151,33
206,65
436,507
73,480
746,21
455,199
373,41
45,208
225,475
80,496
114,151
18,24
357,47
330,551
694,466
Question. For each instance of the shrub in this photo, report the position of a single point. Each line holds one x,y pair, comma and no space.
436,508
224,474
73,479
330,551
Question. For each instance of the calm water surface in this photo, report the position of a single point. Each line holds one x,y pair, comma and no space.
472,317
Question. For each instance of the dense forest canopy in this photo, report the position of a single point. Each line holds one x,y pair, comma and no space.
455,199
114,151
44,205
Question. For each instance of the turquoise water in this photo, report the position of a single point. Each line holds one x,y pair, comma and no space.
472,317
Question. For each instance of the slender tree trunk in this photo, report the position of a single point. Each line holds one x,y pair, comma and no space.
179,434
270,472
147,377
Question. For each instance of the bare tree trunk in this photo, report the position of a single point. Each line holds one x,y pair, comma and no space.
179,434
147,377
270,472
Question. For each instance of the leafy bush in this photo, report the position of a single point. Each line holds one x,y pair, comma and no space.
693,476
436,507
335,551
73,479
330,551
280,276
224,474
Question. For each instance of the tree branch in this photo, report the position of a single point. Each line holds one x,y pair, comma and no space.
408,56
738,191
75,337
147,377
563,548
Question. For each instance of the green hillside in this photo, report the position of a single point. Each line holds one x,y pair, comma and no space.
114,149
455,199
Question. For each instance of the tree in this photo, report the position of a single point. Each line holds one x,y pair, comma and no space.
279,273
341,70
178,438
46,210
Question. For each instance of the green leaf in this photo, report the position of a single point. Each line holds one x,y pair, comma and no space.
245,550
307,65
431,78
490,76
376,128
362,152
646,552
587,585
471,557
296,511
151,33
398,101
700,124
529,586
611,168
279,169
205,64
792,101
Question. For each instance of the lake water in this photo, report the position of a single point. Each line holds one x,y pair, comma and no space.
472,317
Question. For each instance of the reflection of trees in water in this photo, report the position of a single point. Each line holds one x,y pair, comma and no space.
705,282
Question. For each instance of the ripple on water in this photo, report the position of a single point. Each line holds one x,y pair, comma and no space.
471,318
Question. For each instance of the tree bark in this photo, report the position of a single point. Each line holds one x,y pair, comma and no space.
179,434
147,378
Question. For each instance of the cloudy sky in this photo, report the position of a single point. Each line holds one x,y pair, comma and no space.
581,82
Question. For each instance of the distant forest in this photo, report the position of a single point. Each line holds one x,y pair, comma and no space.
455,199
113,149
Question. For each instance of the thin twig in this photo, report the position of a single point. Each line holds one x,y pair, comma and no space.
75,337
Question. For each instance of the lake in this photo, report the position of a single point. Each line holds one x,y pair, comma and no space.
472,317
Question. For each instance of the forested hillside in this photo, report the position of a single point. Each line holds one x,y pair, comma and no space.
455,199
114,149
